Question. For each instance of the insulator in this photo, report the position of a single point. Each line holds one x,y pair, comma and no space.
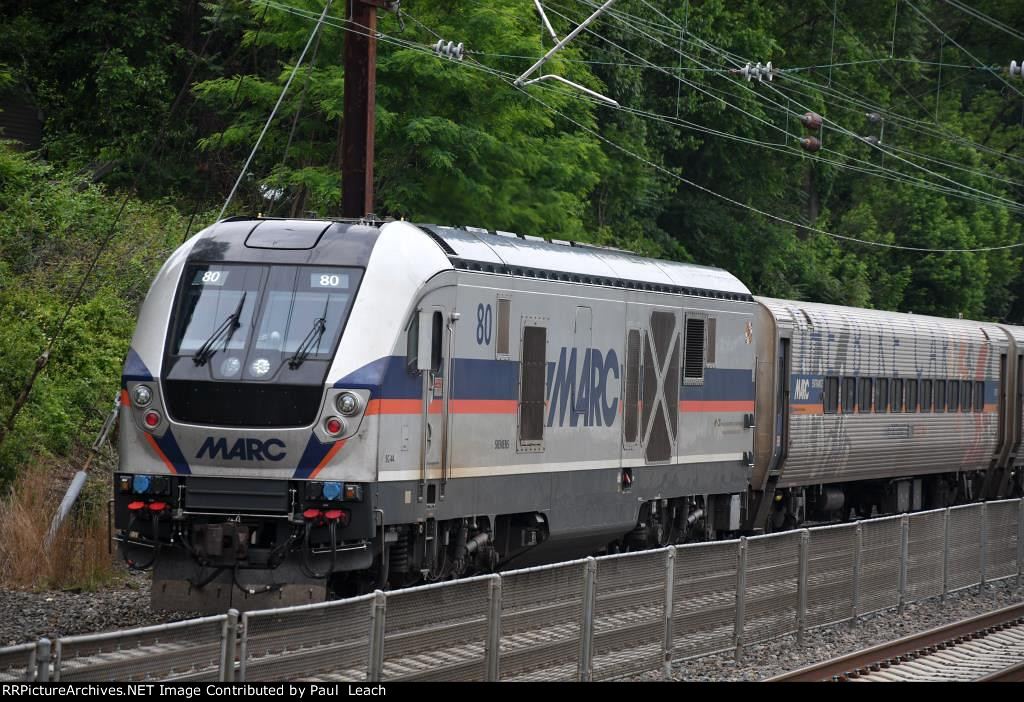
811,120
1016,69
873,140
449,50
873,117
811,144
768,73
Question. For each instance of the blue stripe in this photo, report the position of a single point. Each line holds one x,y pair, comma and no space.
484,379
723,384
134,369
169,446
311,457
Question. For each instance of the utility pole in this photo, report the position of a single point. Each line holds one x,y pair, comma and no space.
360,107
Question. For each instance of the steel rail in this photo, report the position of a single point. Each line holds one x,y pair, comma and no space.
916,647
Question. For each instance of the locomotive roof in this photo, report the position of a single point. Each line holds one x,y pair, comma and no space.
467,248
504,252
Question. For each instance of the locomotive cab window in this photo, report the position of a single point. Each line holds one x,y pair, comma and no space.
261,321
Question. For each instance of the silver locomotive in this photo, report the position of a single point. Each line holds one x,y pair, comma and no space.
314,407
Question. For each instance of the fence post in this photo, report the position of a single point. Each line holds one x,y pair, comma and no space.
43,660
858,547
375,662
670,578
230,637
741,596
983,555
585,668
904,557
945,555
801,586
493,648
1020,541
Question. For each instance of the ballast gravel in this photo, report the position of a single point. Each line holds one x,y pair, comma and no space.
782,655
27,615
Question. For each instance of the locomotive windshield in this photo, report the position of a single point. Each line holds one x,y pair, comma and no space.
258,322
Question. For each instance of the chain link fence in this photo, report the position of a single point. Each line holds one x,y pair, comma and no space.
590,619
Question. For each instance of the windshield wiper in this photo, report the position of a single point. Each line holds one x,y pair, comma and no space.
228,327
313,337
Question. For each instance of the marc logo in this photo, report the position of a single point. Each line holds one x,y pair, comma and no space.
802,391
242,449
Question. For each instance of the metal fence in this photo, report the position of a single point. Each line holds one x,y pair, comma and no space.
590,619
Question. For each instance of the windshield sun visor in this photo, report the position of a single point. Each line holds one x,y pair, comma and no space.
292,234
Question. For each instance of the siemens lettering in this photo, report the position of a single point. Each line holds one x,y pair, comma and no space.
242,449
584,395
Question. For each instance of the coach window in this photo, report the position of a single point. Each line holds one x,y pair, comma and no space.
882,395
912,395
897,395
849,394
953,395
531,387
830,394
965,395
926,396
864,397
979,396
940,395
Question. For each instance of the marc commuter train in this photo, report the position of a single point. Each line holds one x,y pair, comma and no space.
319,407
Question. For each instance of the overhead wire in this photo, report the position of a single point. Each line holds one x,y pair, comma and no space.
985,196
508,79
991,21
924,126
273,112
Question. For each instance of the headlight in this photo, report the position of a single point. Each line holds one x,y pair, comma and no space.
347,403
142,395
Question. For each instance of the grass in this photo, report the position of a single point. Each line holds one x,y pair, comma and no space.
77,558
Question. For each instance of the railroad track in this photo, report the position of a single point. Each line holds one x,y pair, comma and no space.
988,648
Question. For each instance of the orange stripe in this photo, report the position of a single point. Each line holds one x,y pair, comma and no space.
716,406
152,442
807,409
484,406
124,397
327,458
455,407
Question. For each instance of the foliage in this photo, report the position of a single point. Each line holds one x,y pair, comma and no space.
50,228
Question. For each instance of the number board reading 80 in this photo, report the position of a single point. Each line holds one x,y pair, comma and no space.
328,280
211,277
